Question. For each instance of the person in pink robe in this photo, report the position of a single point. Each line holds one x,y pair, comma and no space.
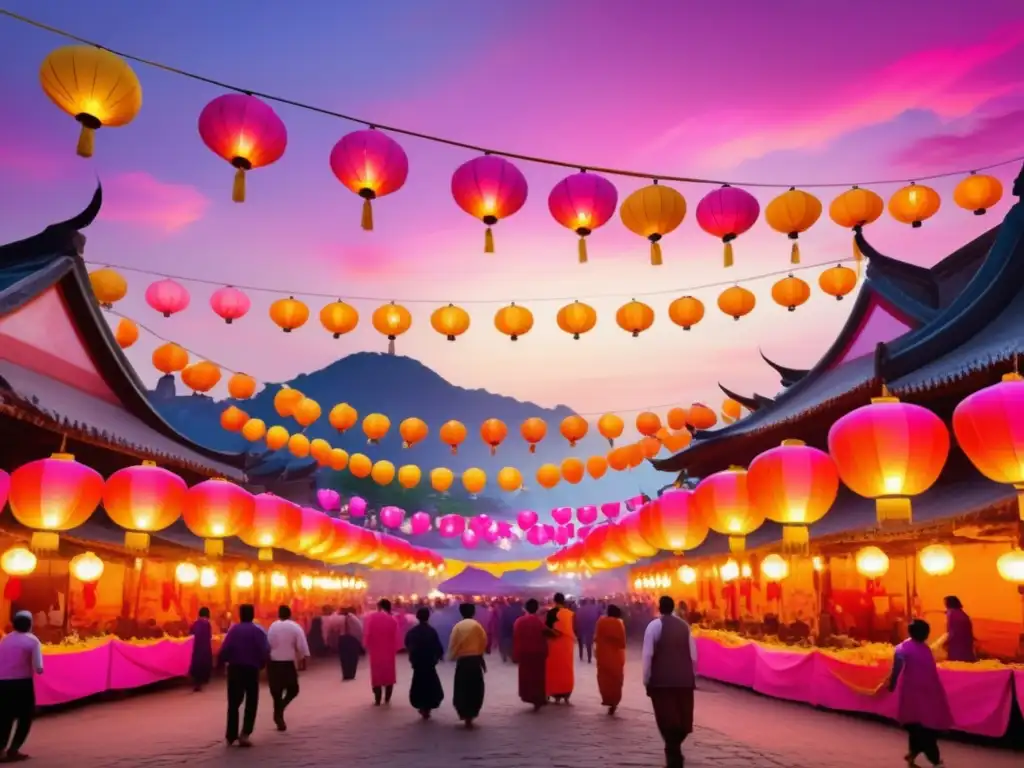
923,708
380,632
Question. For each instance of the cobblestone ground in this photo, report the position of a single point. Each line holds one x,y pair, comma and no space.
332,723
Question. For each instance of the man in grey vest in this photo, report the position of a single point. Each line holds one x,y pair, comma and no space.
670,670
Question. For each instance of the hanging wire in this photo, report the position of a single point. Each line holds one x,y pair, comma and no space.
475,147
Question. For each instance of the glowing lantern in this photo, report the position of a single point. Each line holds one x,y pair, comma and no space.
392,517
298,445
451,321
574,429
360,465
793,485
469,539
854,210
837,281
230,304
244,131
577,318
451,526
233,419
731,411
215,510
1011,566
548,476
339,318
169,358
774,568
889,451
343,417
127,333
320,450
372,165
276,524
244,580
673,522
86,567
597,466
18,561
493,432
306,412
513,321
978,193
277,438
391,320
510,479
686,574
727,213
108,286
936,560
96,87
490,189
790,292
54,494
413,431
792,213
914,204
201,377
610,426
871,562
375,427
583,202
634,317
474,480
241,386
700,416
572,470
289,314
453,434
533,431
724,500
647,423
730,571
736,302
382,472
630,538
337,459
254,429
686,312
653,212
167,297
441,479
526,519
208,577
419,523
409,476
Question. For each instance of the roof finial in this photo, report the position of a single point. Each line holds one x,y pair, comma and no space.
1018,184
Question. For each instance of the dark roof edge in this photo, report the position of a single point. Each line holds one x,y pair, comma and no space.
790,376
750,403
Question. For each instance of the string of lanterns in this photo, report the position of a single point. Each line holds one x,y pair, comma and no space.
98,88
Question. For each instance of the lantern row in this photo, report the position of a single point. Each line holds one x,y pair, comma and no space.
99,88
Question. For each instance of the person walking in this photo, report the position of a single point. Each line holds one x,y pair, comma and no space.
560,675
530,653
21,657
466,647
380,636
670,676
245,651
288,653
425,652
923,708
586,624
350,643
201,666
611,658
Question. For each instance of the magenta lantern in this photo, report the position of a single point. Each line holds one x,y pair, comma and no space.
561,515
470,539
451,526
419,523
526,519
611,509
392,517
490,534
328,499
635,502
583,202
479,524
230,303
727,213
583,532
357,506
504,530
586,515
538,535
167,297
562,535
372,165
490,189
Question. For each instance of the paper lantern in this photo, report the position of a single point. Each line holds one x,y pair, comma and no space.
96,87
412,431
577,318
677,418
186,574
328,499
731,410
618,459
526,519
169,358
978,192
391,320
538,535
1011,566
510,479
244,580
241,386
686,312
774,568
230,304
889,451
254,429
371,164
548,476
586,515
871,562
277,438
727,213
650,446
108,286
167,297
793,485
493,432
792,213
17,562
244,131
233,419
474,480
375,427
86,567
419,523
441,479
360,465
673,522
307,411
357,504
854,209
298,445
127,333
201,377
339,318
470,540
409,476
533,431
513,321
583,202
610,426
724,500
936,560
343,417
914,204
574,428
320,450
572,470
276,524
451,321
451,526
316,533
699,416
837,281
215,510
790,292
453,434
143,499
630,537
611,509
653,212
338,459
490,189
52,495
737,302
289,314
392,517
285,401
647,423
677,441
634,317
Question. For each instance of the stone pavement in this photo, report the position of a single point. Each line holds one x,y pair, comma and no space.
334,724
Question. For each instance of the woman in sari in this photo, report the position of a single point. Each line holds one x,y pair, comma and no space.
425,651
560,672
610,636
350,643
466,648
530,653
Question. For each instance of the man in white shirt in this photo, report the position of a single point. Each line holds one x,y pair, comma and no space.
21,656
288,651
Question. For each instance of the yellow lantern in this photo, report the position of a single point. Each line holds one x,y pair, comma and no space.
244,580
382,472
513,321
729,572
686,574
474,480
208,577
548,476
409,476
285,401
871,562
86,567
289,314
391,320
108,286
254,429
278,580
186,574
339,318
936,560
277,438
577,318
18,561
790,292
977,193
652,212
360,465
634,317
737,302
792,213
306,412
441,479
510,479
451,321
338,459
914,204
413,431
1011,566
774,568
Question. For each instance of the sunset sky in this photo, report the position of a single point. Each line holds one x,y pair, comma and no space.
746,91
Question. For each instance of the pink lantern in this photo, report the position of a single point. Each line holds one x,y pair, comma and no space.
538,535
490,534
5,487
586,515
504,530
419,523
371,164
583,532
526,519
561,515
583,202
328,499
562,535
611,509
357,506
244,131
635,502
479,524
727,212
451,526
167,297
470,539
489,188
392,517
230,303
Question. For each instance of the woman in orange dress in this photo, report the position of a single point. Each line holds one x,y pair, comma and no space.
610,637
560,673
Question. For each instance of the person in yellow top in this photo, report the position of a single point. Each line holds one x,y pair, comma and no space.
560,672
466,648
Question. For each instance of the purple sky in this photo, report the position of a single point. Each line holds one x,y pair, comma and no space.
749,91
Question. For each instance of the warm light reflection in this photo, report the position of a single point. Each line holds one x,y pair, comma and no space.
278,580
774,568
872,563
186,573
1011,566
18,561
306,582
730,571
244,579
86,567
207,577
687,575
937,560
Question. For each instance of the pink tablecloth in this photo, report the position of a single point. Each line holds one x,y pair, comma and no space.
980,700
1018,684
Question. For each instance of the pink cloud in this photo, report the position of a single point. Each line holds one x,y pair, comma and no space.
141,199
995,136
31,163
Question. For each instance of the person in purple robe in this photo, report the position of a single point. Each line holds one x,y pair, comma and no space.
959,632
201,666
586,623
922,705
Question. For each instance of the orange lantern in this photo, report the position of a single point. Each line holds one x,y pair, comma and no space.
677,440
441,479
289,314
298,445
391,320
634,317
233,419
316,532
790,292
306,412
652,212
610,426
215,510
889,451
724,500
978,193
453,434
854,209
513,321
651,447
277,438
254,429
169,358
54,494
241,386
597,466
737,302
731,411
127,333
673,522
533,431
276,524
143,499
382,472
837,281
339,318
493,432
409,476
375,427
201,377
574,429
793,213
677,418
701,417
338,459
451,321
548,476
285,401
629,537
572,470
618,459
413,431
686,312
634,455
360,465
914,204
647,423
577,318
510,479
343,417
320,450
474,480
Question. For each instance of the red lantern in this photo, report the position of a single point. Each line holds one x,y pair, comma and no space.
372,165
230,303
54,494
989,426
276,523
673,522
724,500
727,213
215,510
489,188
793,485
889,451
143,499
167,297
244,131
583,202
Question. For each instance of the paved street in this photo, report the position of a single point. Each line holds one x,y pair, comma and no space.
335,724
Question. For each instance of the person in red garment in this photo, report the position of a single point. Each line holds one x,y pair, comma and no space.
530,653
380,638
560,674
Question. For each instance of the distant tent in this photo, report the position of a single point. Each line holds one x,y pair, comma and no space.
472,581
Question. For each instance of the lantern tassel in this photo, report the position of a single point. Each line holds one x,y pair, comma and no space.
238,188
581,249
488,241
794,255
857,257
728,259
86,141
655,254
367,222
391,347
